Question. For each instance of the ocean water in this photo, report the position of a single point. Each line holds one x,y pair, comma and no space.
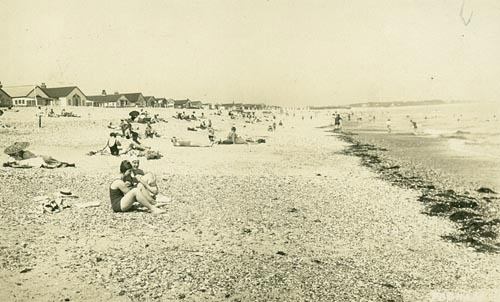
470,129
462,139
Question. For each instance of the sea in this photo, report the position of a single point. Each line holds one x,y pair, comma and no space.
463,138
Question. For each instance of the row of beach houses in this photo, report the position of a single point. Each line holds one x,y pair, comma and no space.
41,95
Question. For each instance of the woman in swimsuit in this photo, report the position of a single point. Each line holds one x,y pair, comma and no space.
122,196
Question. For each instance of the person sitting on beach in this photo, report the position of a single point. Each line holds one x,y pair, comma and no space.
211,134
134,144
122,196
134,160
233,138
202,125
113,144
149,132
52,113
20,157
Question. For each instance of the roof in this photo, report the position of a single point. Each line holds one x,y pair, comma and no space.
19,91
110,98
4,92
181,102
133,97
232,105
58,92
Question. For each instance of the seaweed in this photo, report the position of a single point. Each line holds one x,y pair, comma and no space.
472,225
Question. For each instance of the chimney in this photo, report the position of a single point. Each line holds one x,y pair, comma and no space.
1,84
103,92
43,85
116,92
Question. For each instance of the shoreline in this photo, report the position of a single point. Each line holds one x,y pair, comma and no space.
472,209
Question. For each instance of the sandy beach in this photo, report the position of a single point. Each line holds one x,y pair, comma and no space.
293,219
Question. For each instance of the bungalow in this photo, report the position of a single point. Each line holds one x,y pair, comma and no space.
135,99
170,103
109,100
28,96
165,103
63,96
182,104
232,106
196,105
254,106
151,101
5,98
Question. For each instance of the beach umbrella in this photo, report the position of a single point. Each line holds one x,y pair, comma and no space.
134,114
16,147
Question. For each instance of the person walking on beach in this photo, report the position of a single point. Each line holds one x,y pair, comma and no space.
388,123
39,114
122,196
338,122
414,126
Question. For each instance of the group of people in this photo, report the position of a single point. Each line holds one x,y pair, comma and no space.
134,186
64,113
132,138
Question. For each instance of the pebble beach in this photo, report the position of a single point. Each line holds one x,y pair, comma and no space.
293,219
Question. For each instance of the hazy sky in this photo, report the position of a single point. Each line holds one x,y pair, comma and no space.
289,53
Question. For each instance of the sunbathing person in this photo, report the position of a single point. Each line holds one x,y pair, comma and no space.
122,196
186,143
20,157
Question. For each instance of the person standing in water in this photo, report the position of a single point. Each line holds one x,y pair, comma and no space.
414,126
388,123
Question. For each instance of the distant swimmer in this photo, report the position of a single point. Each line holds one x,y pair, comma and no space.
414,126
388,123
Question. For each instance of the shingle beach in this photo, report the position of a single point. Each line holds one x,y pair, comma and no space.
293,219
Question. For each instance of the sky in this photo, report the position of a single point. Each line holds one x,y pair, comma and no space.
287,53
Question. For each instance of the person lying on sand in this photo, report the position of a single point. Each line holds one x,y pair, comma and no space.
122,196
186,143
22,158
